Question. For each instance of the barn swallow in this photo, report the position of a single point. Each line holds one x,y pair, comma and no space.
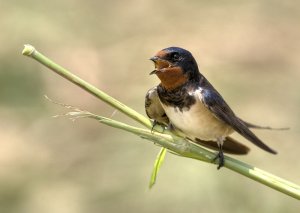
186,100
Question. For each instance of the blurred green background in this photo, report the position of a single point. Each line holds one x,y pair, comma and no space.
249,50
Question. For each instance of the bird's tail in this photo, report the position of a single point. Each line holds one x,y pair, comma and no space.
254,126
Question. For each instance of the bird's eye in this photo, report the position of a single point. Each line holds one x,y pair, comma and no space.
175,57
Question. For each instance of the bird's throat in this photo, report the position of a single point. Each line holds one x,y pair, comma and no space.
171,78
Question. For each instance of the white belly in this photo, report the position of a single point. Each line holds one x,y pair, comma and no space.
198,122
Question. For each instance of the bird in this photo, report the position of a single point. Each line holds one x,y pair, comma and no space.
185,100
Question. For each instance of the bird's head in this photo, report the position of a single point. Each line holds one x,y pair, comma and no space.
174,67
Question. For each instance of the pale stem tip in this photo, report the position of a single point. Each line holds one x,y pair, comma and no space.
28,50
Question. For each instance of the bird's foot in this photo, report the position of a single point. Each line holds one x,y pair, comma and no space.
220,158
153,125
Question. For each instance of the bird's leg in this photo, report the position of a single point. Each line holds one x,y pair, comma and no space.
153,125
220,155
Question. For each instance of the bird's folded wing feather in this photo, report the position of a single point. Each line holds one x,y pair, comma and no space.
216,104
153,107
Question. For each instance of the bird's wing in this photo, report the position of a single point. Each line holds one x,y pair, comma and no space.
153,107
220,109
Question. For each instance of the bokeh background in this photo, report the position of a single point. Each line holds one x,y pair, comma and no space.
249,50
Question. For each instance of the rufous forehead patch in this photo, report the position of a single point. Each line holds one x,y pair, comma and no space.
161,54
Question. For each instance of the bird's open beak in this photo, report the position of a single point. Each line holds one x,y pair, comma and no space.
153,72
159,64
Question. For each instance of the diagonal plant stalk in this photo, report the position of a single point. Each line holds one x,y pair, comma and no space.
164,138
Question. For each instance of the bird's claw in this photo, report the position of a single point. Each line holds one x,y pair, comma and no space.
220,158
153,125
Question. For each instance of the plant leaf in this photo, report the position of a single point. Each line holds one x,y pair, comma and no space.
159,160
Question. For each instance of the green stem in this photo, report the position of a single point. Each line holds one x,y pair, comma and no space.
186,149
171,142
33,53
166,139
